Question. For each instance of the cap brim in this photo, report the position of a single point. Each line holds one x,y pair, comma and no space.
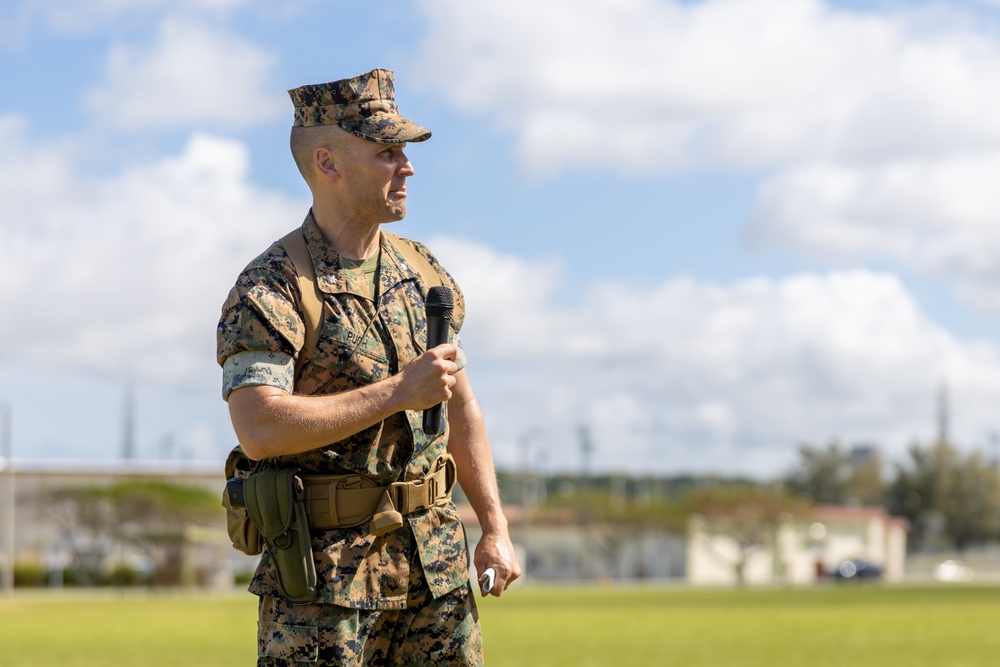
386,129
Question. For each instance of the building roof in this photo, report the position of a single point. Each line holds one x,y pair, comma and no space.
855,514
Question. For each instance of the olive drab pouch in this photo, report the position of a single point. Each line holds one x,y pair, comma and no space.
274,499
242,531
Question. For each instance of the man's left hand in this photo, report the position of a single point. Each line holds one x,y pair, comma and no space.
496,551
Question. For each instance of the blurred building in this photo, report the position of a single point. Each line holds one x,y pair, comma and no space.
803,550
555,546
48,536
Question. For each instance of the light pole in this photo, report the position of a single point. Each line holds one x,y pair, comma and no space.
527,478
527,497
586,450
8,499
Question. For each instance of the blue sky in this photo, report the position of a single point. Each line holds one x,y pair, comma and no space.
707,231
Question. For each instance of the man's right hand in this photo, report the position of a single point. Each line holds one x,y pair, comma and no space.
428,379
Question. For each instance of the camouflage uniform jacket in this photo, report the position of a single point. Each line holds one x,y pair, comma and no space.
364,338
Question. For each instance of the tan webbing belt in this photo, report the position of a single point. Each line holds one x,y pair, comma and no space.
311,301
342,501
418,262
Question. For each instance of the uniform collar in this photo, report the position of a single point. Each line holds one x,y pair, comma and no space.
393,267
332,279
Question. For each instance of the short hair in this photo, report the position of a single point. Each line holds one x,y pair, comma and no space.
305,140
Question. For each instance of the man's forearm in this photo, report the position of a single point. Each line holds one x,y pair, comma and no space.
470,446
271,422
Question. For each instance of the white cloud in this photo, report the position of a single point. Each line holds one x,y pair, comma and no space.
86,17
732,83
699,375
939,215
75,16
878,129
190,75
127,275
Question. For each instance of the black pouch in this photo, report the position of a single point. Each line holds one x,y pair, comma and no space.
274,501
242,531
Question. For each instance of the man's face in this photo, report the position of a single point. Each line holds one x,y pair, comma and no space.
375,179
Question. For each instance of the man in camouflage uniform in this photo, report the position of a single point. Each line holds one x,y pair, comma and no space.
354,406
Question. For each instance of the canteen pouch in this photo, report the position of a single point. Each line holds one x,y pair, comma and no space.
242,531
274,500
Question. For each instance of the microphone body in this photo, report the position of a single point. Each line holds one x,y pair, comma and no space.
440,305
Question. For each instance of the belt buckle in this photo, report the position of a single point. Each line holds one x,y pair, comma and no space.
400,494
418,491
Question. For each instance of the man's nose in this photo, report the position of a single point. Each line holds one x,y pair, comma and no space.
405,167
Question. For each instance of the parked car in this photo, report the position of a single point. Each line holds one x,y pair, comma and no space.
855,569
952,570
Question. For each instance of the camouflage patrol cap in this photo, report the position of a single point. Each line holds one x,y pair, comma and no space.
364,105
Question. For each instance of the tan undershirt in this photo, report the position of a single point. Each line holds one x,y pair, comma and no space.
366,267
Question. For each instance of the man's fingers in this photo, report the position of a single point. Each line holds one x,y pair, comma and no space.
445,351
496,554
488,580
501,586
444,360
495,580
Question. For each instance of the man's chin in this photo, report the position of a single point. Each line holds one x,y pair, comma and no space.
395,215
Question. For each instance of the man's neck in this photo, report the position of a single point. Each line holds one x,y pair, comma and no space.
348,237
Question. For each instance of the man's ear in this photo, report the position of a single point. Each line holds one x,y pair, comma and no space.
326,163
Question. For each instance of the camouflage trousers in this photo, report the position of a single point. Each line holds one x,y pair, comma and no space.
442,631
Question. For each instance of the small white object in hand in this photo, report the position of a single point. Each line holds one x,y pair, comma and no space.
487,579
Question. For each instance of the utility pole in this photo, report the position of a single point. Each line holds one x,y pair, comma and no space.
8,499
528,498
586,450
128,424
528,482
943,416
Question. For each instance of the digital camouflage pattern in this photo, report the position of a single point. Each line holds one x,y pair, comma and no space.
364,105
365,338
275,369
429,631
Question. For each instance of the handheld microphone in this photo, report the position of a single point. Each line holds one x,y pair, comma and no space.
439,306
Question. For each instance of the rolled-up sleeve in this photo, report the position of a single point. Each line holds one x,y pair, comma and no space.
255,368
259,333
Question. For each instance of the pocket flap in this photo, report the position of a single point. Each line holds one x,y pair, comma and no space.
270,497
297,643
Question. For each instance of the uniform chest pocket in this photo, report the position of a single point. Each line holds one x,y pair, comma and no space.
343,345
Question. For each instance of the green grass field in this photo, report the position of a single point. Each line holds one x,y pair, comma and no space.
881,626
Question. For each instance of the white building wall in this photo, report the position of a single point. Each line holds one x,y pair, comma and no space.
895,552
797,558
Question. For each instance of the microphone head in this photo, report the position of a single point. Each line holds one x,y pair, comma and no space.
440,302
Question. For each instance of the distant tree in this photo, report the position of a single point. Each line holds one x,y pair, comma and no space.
868,483
150,515
154,515
88,528
947,494
831,475
610,522
748,516
822,474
